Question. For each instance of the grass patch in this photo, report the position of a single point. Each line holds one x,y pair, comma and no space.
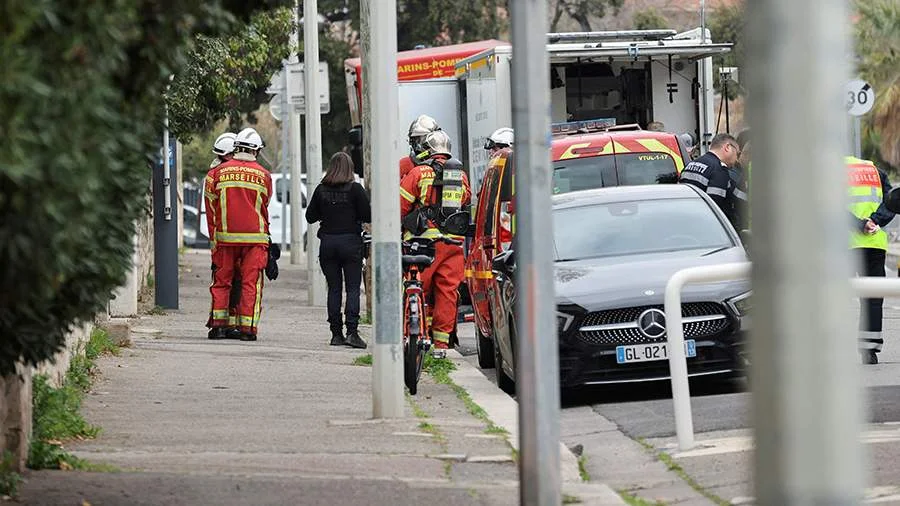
676,468
151,281
56,411
570,499
9,479
363,360
494,429
633,500
365,319
157,311
582,468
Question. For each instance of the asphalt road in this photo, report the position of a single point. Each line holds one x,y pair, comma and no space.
645,410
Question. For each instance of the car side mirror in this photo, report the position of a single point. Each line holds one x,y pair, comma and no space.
892,202
504,262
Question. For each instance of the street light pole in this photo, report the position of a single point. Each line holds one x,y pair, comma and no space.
387,364
293,118
807,398
313,143
538,356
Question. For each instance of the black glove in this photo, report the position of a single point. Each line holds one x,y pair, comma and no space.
272,264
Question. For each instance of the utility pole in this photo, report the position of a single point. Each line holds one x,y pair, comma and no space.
317,288
165,227
807,400
380,78
537,367
365,46
294,146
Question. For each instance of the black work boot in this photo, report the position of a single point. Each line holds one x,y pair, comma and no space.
869,357
337,338
233,333
216,333
246,336
354,341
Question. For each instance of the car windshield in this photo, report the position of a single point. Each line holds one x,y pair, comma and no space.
613,170
637,227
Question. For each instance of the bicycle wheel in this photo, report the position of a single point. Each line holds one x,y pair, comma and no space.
411,359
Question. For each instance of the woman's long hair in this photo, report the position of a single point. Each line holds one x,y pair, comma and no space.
340,170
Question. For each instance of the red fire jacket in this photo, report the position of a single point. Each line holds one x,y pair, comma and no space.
237,201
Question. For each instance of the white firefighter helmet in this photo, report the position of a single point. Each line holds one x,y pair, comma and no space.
437,143
224,144
248,138
501,138
422,126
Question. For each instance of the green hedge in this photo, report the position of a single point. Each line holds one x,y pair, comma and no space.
81,95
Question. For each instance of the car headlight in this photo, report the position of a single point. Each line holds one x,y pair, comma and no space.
563,322
742,305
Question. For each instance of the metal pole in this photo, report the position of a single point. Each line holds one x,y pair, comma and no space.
857,136
368,179
805,379
285,159
381,81
537,368
678,372
165,229
317,288
294,146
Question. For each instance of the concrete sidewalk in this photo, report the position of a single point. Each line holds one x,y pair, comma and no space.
284,420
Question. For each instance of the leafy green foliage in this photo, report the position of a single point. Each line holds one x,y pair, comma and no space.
726,24
226,77
81,94
877,34
9,478
650,19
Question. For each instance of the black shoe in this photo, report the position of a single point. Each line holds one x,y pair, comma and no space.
245,336
869,357
354,341
233,333
216,333
338,339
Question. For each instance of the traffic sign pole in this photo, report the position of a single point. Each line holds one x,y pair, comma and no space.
860,99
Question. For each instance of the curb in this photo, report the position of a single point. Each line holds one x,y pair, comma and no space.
503,411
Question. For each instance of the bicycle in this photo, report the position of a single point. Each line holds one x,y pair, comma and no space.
418,255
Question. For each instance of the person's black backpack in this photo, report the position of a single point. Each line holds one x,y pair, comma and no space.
272,264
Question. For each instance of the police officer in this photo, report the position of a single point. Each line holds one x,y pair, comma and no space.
418,192
867,188
710,173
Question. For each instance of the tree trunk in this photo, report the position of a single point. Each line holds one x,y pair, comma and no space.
15,416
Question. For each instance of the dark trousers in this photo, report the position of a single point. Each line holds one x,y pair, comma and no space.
340,256
870,310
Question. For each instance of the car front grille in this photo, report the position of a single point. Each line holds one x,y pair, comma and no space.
620,326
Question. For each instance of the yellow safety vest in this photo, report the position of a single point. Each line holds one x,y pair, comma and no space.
865,197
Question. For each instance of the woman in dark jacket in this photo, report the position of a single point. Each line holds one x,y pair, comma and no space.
342,206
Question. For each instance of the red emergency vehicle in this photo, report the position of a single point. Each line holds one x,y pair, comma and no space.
582,159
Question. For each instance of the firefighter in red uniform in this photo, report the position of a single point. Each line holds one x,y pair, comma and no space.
238,193
223,148
419,193
418,129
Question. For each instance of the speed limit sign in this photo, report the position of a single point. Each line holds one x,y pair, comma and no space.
860,97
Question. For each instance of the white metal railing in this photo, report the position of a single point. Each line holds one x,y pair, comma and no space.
681,393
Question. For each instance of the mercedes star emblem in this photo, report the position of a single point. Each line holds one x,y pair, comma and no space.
652,323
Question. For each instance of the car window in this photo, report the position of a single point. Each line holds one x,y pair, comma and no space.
636,227
583,173
645,168
283,187
490,194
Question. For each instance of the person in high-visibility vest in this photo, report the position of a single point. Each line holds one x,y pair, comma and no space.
867,187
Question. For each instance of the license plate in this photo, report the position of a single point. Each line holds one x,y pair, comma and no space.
650,352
